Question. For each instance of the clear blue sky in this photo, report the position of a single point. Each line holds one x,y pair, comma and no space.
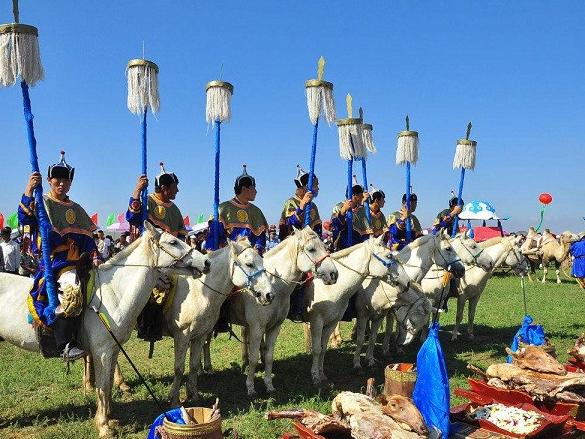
516,69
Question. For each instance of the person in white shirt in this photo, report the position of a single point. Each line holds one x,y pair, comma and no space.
10,250
103,245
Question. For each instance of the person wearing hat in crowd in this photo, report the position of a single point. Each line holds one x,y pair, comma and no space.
446,217
379,225
397,224
293,212
359,223
239,217
9,252
160,209
70,237
165,215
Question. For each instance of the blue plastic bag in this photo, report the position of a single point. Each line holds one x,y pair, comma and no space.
528,334
174,415
431,391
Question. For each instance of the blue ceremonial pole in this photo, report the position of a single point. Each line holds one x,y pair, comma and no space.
43,218
144,194
365,177
349,213
408,223
216,187
459,198
311,172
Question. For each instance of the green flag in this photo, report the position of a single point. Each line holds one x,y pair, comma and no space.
201,218
111,219
12,221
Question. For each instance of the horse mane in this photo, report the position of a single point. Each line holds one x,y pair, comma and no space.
492,241
420,241
118,257
346,251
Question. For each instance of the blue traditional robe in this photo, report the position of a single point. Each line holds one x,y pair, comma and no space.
165,216
577,249
238,219
359,227
293,216
72,235
397,231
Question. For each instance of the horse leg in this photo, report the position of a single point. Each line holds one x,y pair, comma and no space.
104,377
316,348
471,315
325,335
271,336
245,334
308,337
360,330
388,334
255,337
88,375
119,379
181,345
461,299
207,367
375,326
194,362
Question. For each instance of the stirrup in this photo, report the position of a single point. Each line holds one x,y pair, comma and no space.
72,353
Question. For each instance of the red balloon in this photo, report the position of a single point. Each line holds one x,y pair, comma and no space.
545,198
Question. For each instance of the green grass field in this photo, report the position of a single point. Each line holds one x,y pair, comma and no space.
37,399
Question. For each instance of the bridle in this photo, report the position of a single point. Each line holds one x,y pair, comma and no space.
437,250
176,259
250,277
475,256
316,263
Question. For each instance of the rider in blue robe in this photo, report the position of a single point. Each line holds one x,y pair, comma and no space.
339,219
239,217
577,250
70,237
397,238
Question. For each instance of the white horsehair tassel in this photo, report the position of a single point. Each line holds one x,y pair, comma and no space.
407,147
345,144
219,102
465,152
320,96
367,138
20,56
142,86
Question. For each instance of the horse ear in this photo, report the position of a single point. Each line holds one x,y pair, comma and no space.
445,234
380,240
151,229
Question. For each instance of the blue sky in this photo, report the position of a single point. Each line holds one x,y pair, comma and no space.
516,69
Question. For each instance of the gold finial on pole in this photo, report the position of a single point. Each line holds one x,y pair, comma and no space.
348,103
361,113
468,131
320,68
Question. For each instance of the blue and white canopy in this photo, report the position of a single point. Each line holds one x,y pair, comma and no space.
478,210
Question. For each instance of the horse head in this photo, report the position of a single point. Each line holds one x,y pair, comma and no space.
412,310
173,254
384,265
445,256
247,271
312,256
514,256
470,253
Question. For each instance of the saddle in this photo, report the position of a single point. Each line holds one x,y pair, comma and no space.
297,299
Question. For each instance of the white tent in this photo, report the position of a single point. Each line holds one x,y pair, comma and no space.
478,210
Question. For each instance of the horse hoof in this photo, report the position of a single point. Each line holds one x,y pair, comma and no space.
124,388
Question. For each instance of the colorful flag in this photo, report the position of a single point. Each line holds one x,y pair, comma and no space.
94,218
121,218
12,221
111,219
187,221
1,221
201,218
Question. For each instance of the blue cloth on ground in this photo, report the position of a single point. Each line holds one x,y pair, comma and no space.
528,334
431,391
174,415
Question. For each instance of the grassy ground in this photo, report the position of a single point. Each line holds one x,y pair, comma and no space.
37,399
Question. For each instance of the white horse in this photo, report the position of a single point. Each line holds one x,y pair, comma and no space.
300,253
499,250
123,286
197,302
326,304
376,298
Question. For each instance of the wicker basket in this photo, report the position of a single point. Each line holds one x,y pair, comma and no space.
202,430
399,379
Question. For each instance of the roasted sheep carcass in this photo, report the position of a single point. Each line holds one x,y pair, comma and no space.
316,422
368,420
536,359
578,351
